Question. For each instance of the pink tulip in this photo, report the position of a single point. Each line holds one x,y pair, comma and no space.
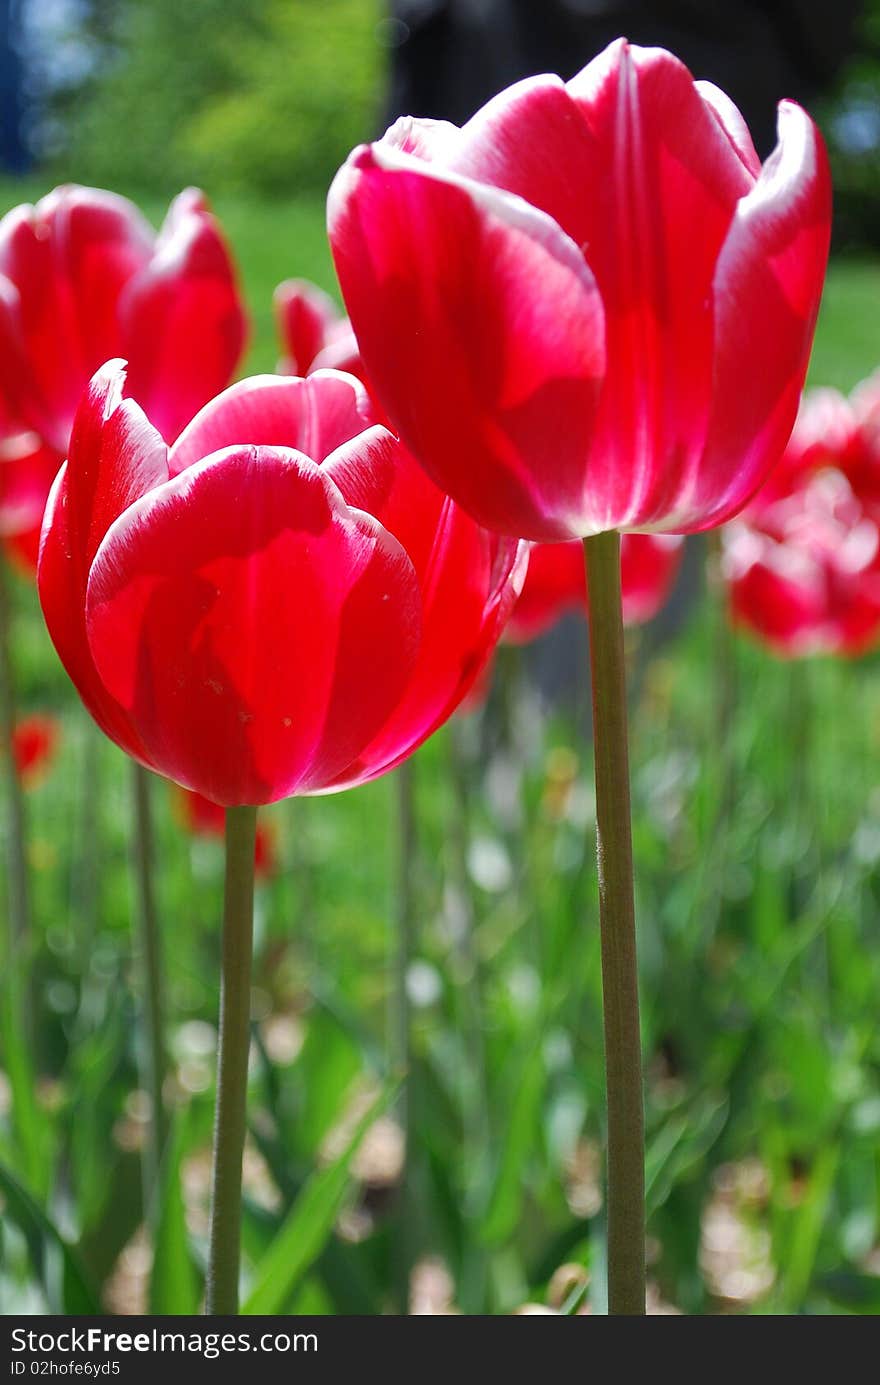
314,334
803,561
83,278
280,603
591,307
27,469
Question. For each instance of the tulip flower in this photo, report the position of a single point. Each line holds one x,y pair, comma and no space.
279,603
556,582
589,311
27,469
314,334
206,819
35,742
802,563
543,324
83,278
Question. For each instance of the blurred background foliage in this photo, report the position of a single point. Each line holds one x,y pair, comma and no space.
261,95
268,96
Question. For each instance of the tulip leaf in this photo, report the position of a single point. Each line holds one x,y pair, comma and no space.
309,1225
28,1123
55,1263
174,1282
857,1293
505,1199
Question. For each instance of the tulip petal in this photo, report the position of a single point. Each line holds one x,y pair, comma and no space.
731,120
663,164
468,580
115,457
343,354
182,323
21,405
767,289
480,331
187,584
27,469
366,468
315,416
468,592
532,140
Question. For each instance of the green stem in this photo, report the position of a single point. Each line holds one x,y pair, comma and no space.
153,986
623,1055
232,1062
401,1021
17,883
88,863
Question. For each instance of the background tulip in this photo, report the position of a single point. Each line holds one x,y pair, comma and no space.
803,562
35,742
83,278
279,603
314,334
541,323
206,819
556,582
27,468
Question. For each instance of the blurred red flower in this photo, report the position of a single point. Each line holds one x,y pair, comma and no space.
314,334
27,469
803,561
556,582
204,818
591,307
83,278
34,744
280,603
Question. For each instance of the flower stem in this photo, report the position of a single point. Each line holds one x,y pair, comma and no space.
401,1020
17,875
232,1062
623,1056
153,984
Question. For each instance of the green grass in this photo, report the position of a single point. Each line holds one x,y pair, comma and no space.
758,854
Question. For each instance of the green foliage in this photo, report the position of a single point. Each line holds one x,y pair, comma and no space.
306,91
174,1283
268,95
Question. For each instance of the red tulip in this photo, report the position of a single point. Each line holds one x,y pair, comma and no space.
84,278
34,744
204,818
803,561
314,334
27,468
279,603
556,582
591,307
